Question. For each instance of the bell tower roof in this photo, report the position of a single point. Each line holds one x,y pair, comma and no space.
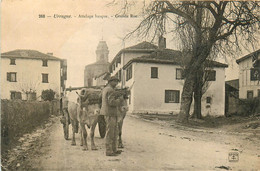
102,45
102,51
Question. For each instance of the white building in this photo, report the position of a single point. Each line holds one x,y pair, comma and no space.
249,79
125,55
101,80
156,80
26,72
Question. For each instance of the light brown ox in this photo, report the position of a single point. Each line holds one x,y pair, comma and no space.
84,112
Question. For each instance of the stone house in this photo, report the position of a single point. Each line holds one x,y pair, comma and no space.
249,75
156,77
26,73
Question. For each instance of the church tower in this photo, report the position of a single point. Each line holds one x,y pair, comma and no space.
102,52
97,69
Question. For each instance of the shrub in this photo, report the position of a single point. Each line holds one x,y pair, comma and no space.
250,106
48,95
19,117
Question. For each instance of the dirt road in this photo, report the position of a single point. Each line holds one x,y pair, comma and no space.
151,146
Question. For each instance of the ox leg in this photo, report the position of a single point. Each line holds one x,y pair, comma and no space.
92,133
84,136
73,132
120,143
81,136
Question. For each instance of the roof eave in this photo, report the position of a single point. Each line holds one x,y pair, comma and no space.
130,50
247,56
41,58
164,62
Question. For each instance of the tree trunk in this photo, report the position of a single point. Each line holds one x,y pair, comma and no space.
198,94
186,99
195,65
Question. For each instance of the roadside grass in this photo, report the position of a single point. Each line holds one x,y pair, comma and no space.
243,121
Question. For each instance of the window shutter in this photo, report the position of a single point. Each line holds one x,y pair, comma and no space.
8,76
18,95
154,72
177,96
166,97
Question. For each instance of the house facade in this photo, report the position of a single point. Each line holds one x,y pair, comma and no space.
125,55
29,72
156,82
101,80
249,75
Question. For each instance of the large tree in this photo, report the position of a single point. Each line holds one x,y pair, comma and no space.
204,28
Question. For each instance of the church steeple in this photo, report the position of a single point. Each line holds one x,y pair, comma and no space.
102,51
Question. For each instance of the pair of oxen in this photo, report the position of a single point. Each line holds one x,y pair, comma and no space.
86,112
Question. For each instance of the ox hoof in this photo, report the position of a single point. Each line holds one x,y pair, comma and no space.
120,146
93,148
73,143
85,148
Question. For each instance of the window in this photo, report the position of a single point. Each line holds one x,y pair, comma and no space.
154,72
130,97
208,100
179,74
129,73
254,74
12,61
172,96
11,76
210,75
45,62
45,78
116,75
119,75
15,95
250,94
113,67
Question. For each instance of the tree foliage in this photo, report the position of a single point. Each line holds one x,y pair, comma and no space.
48,95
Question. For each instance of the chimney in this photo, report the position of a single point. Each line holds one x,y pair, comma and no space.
162,42
50,53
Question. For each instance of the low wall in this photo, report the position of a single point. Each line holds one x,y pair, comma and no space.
19,117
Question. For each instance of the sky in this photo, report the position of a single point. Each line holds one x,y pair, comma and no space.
75,38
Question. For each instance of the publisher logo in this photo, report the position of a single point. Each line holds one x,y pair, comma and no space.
233,157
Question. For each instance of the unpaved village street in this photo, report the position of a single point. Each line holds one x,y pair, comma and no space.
150,146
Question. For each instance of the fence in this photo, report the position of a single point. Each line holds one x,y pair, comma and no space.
19,117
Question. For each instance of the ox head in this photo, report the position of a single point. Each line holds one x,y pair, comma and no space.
89,98
92,109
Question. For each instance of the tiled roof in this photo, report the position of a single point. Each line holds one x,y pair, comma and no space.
97,63
168,56
140,47
143,45
28,54
233,83
105,74
247,56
